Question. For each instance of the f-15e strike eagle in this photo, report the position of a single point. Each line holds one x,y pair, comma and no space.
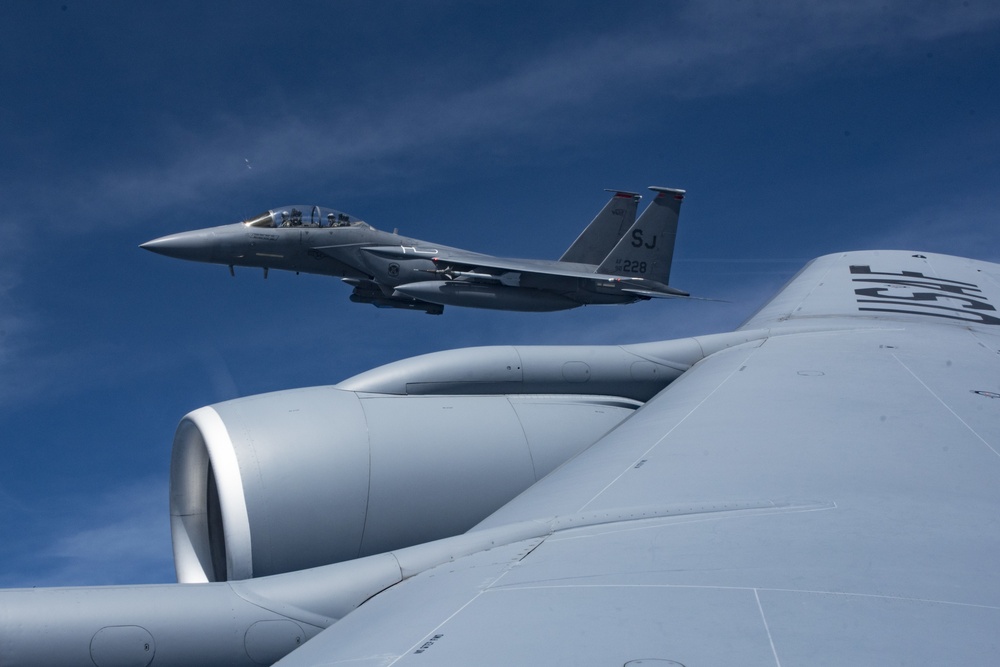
616,260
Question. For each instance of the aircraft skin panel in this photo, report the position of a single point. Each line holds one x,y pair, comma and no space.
454,258
883,286
475,261
820,487
824,497
601,235
545,274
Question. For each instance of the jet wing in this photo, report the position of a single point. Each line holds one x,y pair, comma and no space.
485,268
825,495
460,260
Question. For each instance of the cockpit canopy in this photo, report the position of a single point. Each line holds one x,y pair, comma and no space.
304,216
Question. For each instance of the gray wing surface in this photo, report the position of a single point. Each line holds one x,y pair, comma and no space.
497,266
825,495
462,259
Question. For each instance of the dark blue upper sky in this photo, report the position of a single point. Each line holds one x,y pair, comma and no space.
797,131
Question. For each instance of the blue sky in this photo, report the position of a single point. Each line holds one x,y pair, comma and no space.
798,129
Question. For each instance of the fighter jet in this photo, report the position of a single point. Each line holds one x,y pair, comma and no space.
618,259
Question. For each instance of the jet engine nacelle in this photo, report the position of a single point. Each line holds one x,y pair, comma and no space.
306,477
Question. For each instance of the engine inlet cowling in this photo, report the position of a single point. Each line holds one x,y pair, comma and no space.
306,477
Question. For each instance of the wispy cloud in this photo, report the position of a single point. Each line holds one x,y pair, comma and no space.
693,50
557,96
702,49
735,45
12,316
965,227
120,537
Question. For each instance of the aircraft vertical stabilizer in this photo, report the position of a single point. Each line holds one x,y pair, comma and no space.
604,232
647,250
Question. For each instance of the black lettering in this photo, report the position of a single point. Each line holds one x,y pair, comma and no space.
913,293
903,274
876,292
968,290
637,238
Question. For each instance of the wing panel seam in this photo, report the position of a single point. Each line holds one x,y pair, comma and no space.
946,406
767,629
672,428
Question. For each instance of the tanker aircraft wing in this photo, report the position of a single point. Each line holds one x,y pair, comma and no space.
820,486
825,493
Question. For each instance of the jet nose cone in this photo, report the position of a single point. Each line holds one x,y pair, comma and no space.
195,246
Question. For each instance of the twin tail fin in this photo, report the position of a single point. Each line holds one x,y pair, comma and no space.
647,249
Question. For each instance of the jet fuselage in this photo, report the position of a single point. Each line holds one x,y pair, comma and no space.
389,270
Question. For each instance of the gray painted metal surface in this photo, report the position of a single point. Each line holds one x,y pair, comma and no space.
637,372
306,477
820,487
877,446
610,225
616,260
